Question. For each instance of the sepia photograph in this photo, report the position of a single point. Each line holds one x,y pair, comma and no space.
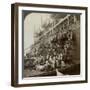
49,44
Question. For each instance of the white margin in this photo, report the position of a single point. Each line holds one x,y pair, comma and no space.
54,78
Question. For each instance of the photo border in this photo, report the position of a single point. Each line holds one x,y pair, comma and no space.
14,43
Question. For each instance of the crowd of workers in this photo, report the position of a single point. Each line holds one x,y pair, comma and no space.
55,54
